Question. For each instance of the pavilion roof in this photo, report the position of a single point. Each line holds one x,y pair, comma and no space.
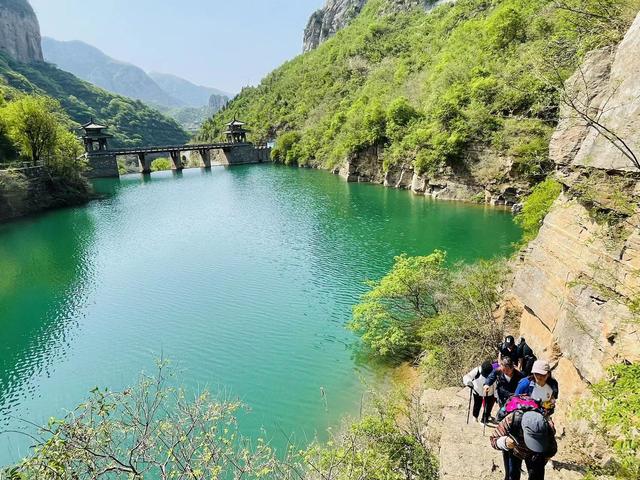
235,123
91,125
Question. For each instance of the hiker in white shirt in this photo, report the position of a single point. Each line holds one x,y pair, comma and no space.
475,380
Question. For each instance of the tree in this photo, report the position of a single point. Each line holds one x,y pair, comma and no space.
389,315
424,308
32,123
148,431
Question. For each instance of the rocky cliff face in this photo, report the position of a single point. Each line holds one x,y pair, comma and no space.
20,31
474,180
324,23
336,14
578,284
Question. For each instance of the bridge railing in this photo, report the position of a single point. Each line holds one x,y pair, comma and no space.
168,148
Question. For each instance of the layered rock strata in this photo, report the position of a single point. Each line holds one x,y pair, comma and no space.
577,285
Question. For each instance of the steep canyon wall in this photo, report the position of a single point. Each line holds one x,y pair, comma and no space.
577,285
20,31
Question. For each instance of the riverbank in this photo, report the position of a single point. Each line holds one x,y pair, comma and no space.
31,190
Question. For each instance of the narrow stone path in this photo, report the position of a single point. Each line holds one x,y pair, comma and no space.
464,453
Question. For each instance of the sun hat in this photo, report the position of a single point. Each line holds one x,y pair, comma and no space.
536,432
541,367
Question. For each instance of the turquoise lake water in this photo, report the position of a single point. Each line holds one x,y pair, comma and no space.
244,278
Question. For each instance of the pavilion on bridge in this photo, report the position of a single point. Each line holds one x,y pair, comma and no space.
95,138
236,133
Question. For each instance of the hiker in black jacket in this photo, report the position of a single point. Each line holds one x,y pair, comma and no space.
526,357
506,377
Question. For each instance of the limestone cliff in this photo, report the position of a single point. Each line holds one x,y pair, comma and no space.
577,285
324,23
473,180
20,31
336,14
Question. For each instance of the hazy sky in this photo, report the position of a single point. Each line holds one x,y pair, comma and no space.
223,44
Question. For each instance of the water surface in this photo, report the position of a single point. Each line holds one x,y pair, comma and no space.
243,277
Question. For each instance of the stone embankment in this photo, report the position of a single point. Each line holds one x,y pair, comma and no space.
26,191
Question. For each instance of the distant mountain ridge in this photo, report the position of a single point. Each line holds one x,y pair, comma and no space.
190,94
186,102
22,69
91,64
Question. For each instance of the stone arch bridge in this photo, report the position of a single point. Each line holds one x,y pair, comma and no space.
103,161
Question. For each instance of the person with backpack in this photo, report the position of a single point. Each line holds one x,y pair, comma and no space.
525,436
526,357
475,381
506,378
509,349
540,386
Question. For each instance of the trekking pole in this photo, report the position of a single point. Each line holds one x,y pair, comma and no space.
484,416
469,409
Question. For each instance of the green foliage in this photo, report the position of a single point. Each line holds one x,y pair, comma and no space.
536,206
130,121
465,333
430,87
32,123
613,412
153,430
160,164
286,147
423,307
389,315
148,431
39,130
376,447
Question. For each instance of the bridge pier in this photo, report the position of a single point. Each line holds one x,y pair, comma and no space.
176,158
241,154
205,155
145,167
102,165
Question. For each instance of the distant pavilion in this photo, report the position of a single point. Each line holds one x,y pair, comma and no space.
236,133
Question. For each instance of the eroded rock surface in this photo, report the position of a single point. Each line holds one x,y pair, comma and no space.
324,23
337,14
577,281
20,31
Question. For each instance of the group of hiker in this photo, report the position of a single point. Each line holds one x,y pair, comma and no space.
526,393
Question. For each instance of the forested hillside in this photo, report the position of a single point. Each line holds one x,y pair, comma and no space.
130,121
432,89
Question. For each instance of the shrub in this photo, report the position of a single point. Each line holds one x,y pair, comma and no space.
377,447
286,149
389,315
161,164
536,206
148,431
422,307
613,413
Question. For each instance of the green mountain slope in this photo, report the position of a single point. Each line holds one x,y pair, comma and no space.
94,66
130,121
432,89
